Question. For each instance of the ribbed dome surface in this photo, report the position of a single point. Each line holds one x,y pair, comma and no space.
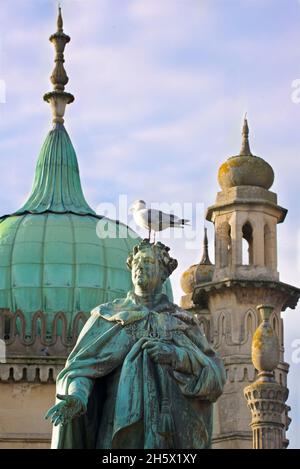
57,185
53,262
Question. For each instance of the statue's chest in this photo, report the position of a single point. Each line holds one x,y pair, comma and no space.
155,325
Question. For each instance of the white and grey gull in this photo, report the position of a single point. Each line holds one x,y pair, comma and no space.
153,219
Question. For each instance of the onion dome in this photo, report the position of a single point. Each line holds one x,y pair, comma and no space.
198,273
187,280
245,169
52,255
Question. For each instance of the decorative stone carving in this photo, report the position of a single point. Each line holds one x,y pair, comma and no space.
266,398
31,371
40,338
265,345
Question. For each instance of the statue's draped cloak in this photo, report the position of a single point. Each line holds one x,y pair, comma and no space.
124,389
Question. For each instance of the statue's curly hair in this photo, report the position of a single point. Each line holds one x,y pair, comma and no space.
161,252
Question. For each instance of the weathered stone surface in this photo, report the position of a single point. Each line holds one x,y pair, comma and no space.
245,217
245,171
22,409
266,401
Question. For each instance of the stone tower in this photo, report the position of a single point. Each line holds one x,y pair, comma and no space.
225,295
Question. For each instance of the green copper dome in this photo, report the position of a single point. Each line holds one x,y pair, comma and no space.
51,257
56,262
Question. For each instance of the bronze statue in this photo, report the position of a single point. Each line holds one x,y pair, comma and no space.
142,374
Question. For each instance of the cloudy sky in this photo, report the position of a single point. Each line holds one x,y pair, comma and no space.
161,87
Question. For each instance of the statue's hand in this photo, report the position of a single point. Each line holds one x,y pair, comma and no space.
160,352
63,412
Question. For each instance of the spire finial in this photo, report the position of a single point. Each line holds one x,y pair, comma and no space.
58,98
60,23
205,257
245,150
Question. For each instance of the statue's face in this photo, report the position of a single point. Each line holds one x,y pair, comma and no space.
146,272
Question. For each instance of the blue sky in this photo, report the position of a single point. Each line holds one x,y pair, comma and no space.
161,87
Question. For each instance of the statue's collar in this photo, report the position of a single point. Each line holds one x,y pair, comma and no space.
130,309
159,302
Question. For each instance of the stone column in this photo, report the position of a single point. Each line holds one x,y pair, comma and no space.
266,398
258,243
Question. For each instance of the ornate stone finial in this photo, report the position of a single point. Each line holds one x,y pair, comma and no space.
59,98
205,257
266,398
245,150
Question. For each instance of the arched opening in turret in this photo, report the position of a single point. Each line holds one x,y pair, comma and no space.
275,325
225,241
268,246
247,244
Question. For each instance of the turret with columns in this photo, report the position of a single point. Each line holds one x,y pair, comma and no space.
245,217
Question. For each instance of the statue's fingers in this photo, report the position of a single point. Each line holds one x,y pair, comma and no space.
53,410
143,340
57,420
147,344
151,350
57,407
151,345
151,341
154,354
48,414
61,421
55,416
155,357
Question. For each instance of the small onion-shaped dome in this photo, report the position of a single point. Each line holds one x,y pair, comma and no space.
204,273
245,169
198,273
187,280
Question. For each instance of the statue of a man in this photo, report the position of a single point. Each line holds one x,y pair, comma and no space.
142,374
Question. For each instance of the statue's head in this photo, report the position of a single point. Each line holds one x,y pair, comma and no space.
150,265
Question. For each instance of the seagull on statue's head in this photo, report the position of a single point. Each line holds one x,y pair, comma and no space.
154,220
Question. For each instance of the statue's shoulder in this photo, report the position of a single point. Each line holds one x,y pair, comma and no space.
185,316
109,309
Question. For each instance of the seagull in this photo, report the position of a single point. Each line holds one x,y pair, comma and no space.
154,220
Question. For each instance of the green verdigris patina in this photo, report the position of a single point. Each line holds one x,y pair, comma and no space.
142,374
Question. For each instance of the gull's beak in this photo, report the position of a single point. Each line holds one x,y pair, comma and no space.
131,209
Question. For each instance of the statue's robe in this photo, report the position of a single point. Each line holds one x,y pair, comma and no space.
133,402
